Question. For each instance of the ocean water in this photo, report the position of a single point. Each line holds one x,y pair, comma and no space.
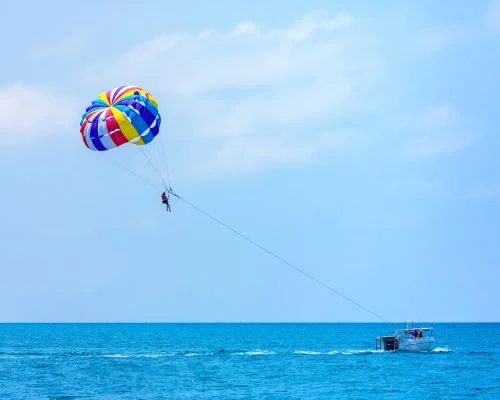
243,361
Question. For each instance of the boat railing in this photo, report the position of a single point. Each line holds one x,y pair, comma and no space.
411,332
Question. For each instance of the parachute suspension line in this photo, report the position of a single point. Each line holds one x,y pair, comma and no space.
148,158
163,156
160,154
278,257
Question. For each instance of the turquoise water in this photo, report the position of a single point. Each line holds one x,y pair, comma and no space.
243,361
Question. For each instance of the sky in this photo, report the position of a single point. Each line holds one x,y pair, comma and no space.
357,141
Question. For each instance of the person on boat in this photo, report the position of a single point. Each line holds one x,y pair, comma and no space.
164,200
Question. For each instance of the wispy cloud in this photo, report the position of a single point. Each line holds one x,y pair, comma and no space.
30,113
439,115
281,108
431,146
256,93
493,16
244,57
438,38
235,155
437,134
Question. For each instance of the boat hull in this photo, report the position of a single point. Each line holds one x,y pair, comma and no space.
426,344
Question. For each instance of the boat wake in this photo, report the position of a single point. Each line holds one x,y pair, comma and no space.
216,353
442,350
335,352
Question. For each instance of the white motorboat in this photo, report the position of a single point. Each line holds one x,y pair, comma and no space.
415,339
408,339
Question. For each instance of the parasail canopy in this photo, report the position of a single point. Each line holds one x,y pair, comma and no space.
125,114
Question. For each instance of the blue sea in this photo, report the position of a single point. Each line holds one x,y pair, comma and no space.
243,361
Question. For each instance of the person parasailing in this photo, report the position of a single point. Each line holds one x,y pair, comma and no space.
164,200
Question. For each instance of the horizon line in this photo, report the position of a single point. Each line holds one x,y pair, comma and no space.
246,322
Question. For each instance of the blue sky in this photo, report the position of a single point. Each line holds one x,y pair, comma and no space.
358,141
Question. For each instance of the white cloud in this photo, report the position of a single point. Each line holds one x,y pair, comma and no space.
242,154
244,57
435,39
439,115
283,108
437,133
493,16
252,90
30,113
431,146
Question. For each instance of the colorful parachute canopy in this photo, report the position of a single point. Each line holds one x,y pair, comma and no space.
126,114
